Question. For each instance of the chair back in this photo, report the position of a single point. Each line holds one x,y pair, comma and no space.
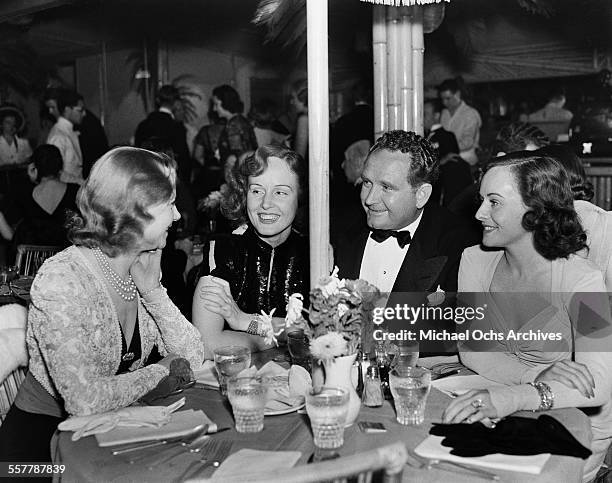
30,257
8,390
357,467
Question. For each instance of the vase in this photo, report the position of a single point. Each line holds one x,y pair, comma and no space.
338,373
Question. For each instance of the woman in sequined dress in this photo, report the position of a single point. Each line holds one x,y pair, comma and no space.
258,270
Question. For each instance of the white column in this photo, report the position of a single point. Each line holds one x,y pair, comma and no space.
393,68
318,138
379,39
405,69
417,55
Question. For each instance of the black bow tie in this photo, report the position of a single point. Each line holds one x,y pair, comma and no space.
403,237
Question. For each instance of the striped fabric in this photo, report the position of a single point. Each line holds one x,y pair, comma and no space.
8,390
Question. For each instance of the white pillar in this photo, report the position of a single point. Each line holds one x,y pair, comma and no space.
318,138
405,67
379,39
417,55
393,68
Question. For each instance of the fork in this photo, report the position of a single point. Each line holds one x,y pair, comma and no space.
428,464
214,456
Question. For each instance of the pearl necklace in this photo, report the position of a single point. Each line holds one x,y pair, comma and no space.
126,289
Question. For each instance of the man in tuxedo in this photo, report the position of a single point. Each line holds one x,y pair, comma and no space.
163,125
408,248
408,245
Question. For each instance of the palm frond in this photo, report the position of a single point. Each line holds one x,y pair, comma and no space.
284,20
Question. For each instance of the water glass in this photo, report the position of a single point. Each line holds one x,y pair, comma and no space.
299,349
327,410
229,361
410,387
248,396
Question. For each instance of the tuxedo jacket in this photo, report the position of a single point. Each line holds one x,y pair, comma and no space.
432,259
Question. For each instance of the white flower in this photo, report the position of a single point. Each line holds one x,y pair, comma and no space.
436,298
328,346
295,305
266,321
342,309
331,285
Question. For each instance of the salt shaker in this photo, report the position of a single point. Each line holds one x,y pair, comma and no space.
372,390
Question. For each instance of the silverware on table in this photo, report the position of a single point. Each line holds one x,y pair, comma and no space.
212,456
427,464
191,435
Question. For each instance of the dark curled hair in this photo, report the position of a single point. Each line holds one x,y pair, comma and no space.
233,205
230,99
424,162
48,161
544,186
581,186
114,201
517,135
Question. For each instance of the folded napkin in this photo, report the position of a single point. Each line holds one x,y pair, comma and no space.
431,448
134,416
458,385
206,374
247,462
513,435
288,387
180,424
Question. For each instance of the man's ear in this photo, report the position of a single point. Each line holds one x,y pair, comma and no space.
422,195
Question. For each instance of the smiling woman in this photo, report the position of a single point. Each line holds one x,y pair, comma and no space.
98,308
259,270
532,266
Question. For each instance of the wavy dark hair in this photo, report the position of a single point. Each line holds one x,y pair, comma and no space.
545,188
230,99
114,201
424,161
233,205
517,135
581,186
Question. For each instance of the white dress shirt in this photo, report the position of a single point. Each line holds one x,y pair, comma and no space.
382,261
63,135
17,152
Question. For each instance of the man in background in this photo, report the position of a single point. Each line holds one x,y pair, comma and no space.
462,120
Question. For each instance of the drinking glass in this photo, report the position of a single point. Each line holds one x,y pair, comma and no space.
297,343
8,273
327,410
229,361
410,387
248,396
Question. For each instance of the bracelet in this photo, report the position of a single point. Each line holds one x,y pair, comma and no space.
147,292
255,327
547,398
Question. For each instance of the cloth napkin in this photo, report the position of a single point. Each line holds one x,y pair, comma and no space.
248,462
431,448
207,374
513,435
180,424
458,385
135,416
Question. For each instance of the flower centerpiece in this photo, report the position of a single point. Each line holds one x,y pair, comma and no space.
338,324
211,205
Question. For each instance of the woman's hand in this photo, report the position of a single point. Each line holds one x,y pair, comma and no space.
167,361
216,296
571,374
473,406
146,270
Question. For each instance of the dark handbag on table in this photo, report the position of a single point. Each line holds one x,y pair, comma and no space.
513,435
180,374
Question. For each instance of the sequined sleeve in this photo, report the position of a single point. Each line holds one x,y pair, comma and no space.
178,336
71,347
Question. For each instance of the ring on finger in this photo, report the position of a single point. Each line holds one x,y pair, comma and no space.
477,403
